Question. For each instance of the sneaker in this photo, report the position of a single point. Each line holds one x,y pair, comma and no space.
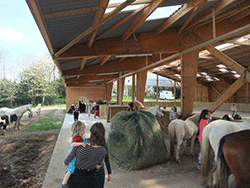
63,186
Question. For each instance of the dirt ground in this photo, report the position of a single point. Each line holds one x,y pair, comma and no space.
25,155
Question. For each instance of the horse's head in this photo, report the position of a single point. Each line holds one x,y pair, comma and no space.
29,107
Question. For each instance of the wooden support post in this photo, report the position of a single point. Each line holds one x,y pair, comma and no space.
227,94
141,84
120,88
175,93
133,87
157,89
214,28
109,88
247,92
189,66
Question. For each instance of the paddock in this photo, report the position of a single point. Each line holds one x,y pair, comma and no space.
170,174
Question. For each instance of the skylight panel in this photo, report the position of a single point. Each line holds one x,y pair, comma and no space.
221,66
163,12
223,70
223,46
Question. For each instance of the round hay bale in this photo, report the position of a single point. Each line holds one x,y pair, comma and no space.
136,140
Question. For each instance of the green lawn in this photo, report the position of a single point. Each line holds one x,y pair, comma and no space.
49,121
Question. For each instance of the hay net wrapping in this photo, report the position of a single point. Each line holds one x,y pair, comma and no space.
136,140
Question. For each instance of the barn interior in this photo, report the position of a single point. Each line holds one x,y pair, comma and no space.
202,44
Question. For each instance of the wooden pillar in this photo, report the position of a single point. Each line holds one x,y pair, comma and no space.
214,28
189,66
109,88
133,87
120,88
157,89
247,92
174,93
140,85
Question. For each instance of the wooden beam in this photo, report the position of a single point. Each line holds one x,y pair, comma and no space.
83,62
36,11
186,8
217,7
226,60
227,94
121,21
87,78
70,12
105,60
138,2
141,18
115,46
99,14
241,15
94,61
211,85
93,27
238,8
195,11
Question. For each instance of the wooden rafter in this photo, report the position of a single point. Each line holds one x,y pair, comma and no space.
93,27
121,59
139,2
195,11
88,78
241,15
228,13
105,60
186,8
94,61
98,16
69,62
121,21
83,62
141,18
70,12
217,7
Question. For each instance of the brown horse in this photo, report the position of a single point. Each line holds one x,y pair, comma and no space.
234,157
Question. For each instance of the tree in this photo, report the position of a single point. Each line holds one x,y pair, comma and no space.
38,77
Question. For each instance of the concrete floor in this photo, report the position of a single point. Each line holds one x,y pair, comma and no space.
120,178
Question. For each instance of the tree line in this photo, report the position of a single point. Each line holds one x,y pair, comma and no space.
38,82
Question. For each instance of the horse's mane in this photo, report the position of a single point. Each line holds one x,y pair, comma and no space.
194,118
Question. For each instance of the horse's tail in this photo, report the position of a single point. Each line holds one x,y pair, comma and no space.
171,131
222,167
205,154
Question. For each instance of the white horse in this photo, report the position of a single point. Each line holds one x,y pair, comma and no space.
180,131
156,111
211,136
19,111
38,109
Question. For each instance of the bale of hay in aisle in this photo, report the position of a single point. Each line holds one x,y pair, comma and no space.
136,140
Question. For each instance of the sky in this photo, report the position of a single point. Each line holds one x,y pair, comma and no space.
20,37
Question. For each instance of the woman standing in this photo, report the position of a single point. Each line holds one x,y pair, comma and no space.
87,159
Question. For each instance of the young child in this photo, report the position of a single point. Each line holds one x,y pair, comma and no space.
77,129
76,113
203,123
